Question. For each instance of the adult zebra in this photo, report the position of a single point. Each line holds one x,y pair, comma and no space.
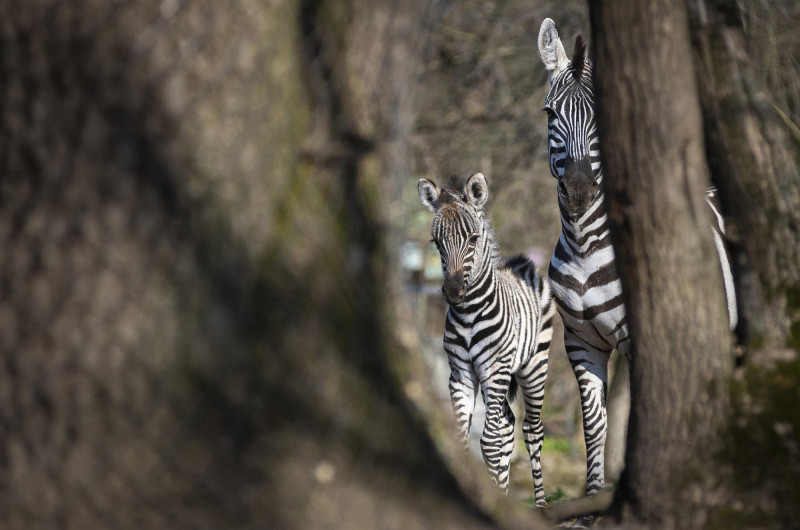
582,271
499,325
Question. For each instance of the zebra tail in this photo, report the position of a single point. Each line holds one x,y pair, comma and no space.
512,389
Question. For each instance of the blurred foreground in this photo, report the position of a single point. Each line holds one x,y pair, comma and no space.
205,208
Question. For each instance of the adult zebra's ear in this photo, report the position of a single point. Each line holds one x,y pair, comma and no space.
476,190
551,50
428,193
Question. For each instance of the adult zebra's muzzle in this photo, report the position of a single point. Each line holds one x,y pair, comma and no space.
578,186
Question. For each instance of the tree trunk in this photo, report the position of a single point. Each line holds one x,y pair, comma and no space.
753,158
655,175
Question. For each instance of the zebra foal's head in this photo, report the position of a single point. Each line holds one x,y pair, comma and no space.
458,229
573,146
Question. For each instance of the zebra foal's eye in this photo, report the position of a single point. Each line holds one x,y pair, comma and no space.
473,239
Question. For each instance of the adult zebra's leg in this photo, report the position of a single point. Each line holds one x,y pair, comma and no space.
591,370
463,385
531,380
497,440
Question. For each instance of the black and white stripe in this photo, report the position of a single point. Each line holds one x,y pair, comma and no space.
582,270
712,199
498,329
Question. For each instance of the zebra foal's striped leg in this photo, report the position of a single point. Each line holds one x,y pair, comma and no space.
463,385
591,370
531,380
497,440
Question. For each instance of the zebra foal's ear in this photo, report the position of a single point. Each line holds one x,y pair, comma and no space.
476,190
551,50
428,193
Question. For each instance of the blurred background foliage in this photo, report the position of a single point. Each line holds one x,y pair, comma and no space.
205,207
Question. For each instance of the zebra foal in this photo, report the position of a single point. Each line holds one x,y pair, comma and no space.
498,328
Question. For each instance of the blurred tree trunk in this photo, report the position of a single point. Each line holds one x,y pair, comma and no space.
752,150
195,311
652,139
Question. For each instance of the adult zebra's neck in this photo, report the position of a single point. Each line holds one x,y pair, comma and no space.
585,233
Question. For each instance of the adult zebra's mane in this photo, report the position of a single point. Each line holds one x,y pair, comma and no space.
579,56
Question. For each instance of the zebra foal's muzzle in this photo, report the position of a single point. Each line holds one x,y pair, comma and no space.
454,288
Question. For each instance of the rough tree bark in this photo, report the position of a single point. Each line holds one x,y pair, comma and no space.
652,144
752,152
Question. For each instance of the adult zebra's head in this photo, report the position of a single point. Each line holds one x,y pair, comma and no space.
573,146
459,229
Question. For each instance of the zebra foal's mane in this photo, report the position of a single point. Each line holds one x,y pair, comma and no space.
454,192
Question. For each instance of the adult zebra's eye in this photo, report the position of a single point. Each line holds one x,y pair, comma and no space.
473,239
551,115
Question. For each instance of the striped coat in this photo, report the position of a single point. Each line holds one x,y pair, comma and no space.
498,329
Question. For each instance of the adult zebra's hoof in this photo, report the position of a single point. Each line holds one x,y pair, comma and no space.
586,521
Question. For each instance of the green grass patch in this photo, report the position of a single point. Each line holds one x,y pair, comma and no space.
556,444
531,502
556,496
553,496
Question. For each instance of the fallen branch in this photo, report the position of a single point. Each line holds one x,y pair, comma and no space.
597,503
